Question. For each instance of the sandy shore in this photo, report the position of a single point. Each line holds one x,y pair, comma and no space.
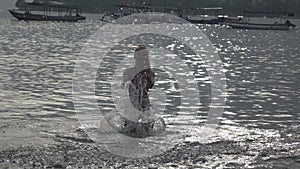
225,154
23,147
77,155
76,150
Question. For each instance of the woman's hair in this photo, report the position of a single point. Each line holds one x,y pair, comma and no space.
140,47
142,60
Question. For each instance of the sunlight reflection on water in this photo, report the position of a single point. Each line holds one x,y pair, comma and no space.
262,71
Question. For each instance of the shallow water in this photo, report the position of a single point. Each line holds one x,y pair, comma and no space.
262,112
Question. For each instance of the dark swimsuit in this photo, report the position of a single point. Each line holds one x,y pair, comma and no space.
139,98
138,91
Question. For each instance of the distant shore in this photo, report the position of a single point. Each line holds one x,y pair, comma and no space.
5,13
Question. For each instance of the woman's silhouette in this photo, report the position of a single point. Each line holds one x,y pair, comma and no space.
138,80
141,79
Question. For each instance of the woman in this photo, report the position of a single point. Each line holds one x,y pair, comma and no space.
139,79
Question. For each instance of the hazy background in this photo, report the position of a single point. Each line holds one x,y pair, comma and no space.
232,7
7,4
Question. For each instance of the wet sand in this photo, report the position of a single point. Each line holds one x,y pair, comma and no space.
70,151
88,155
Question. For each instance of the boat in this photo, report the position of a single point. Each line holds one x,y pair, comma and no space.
50,12
258,26
218,20
261,26
216,17
180,12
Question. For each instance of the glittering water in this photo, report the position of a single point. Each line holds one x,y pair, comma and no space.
262,110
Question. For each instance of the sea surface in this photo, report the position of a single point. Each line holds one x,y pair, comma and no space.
260,126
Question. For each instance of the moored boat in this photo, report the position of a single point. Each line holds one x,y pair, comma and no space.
260,26
214,13
263,26
66,13
219,20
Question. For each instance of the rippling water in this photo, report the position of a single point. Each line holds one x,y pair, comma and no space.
262,74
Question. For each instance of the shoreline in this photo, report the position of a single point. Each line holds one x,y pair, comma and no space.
231,16
77,150
67,154
191,155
